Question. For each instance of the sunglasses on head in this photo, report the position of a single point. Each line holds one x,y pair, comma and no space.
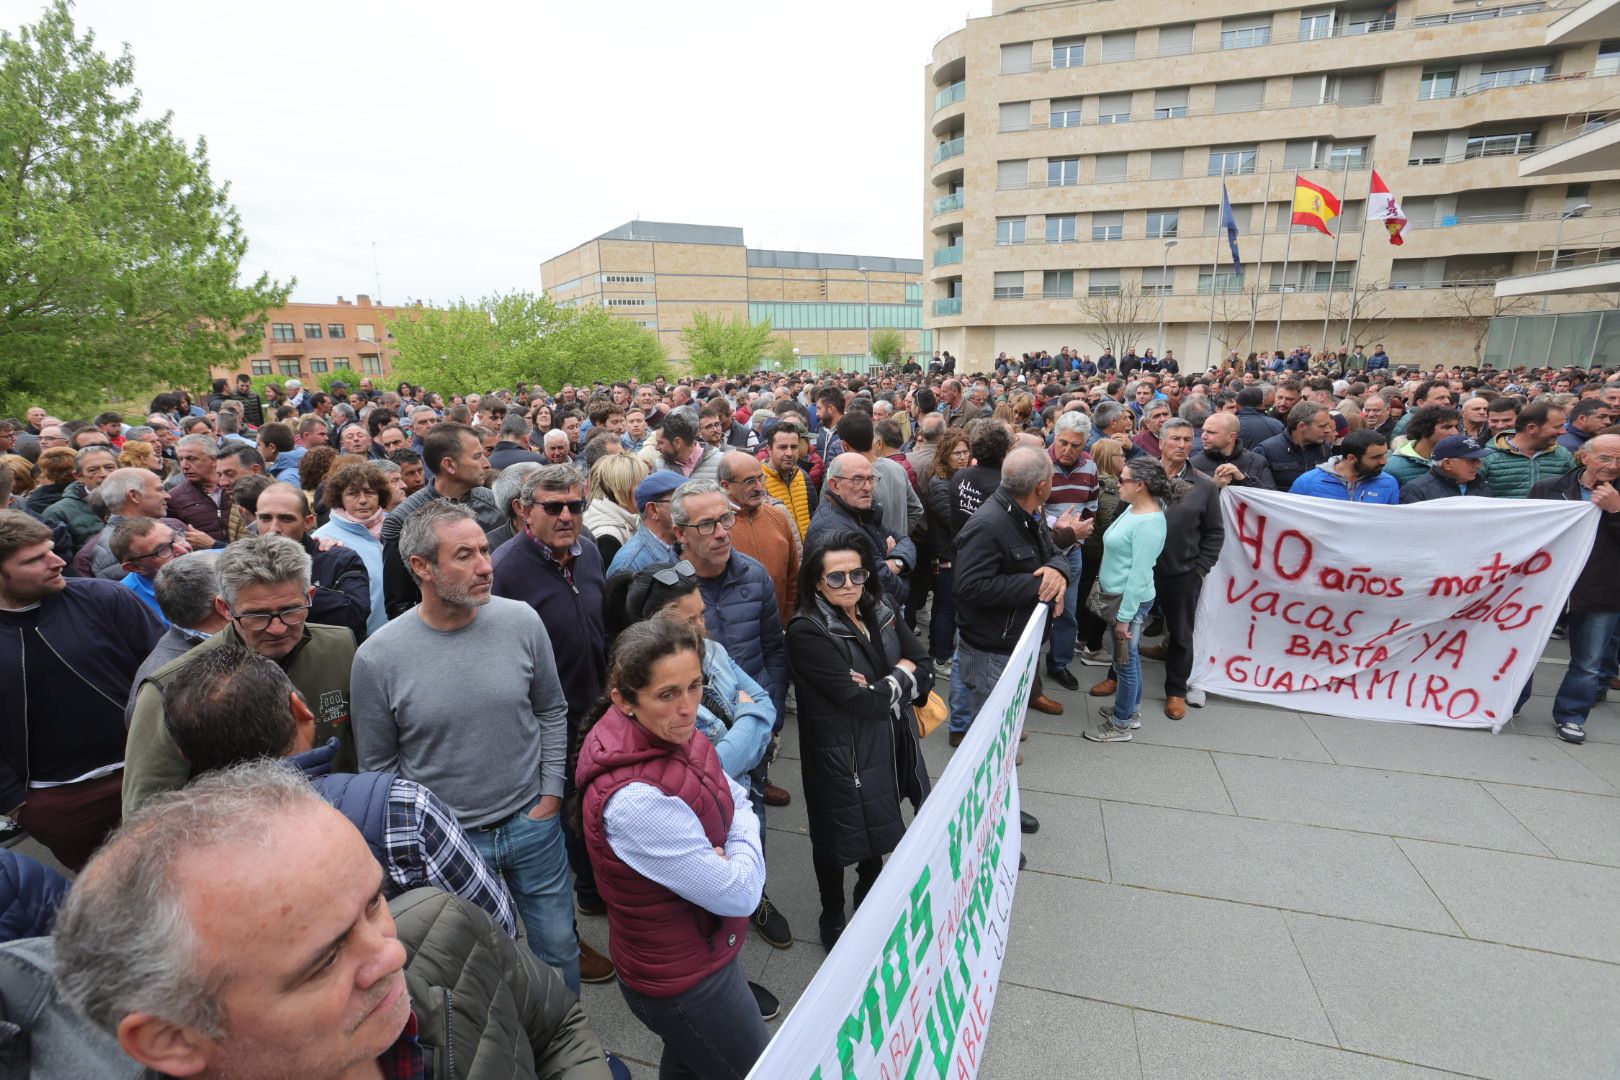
837,579
555,509
674,575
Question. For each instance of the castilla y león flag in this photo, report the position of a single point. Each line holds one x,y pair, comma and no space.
1314,205
1383,206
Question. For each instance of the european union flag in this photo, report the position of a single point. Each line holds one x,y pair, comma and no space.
1229,223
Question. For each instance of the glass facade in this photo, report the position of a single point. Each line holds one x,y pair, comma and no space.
787,316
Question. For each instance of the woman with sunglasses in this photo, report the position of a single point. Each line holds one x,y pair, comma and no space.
857,670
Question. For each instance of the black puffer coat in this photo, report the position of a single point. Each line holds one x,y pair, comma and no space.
858,759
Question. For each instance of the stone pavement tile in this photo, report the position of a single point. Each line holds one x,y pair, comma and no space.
1127,772
1572,825
1602,758
1372,800
1537,902
1468,753
1470,1006
1235,729
1173,1049
1206,959
1036,1033
1300,867
1071,837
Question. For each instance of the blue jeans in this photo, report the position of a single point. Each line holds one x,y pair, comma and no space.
711,1032
961,702
533,859
1590,634
980,672
1066,627
1128,694
942,616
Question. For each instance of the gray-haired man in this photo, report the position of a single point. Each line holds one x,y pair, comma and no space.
185,591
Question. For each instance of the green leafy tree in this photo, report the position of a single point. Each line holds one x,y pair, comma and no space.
887,345
509,338
725,345
119,253
781,355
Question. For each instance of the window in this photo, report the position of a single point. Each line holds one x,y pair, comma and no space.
289,365
1315,24
282,331
1520,142
1163,224
1062,172
1239,96
1373,20
1111,168
1017,58
259,367
312,330
1300,153
1437,84
1065,112
1428,148
1246,33
1175,40
1170,103
1514,76
366,331
1347,155
340,363
626,279
1226,282
1012,175
334,331
1057,284
1157,280
1353,90
1574,195
1114,109
1608,61
1108,226
1322,280
1231,161
1060,228
626,301
1068,52
1010,230
1009,285
1241,214
1102,283
371,365
1120,46
317,366
1015,116
1166,164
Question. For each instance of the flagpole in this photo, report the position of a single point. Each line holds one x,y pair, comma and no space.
1355,275
1260,260
1282,289
1327,308
1214,268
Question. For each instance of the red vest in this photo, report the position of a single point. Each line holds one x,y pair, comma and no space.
662,945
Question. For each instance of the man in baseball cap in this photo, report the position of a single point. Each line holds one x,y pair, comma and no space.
1453,471
656,541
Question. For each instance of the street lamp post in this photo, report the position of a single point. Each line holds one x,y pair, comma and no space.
868,274
1558,240
1164,272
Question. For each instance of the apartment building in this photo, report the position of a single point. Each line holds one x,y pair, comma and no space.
657,273
305,340
1077,152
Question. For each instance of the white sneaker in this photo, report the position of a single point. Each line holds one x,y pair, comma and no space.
1196,698
1106,714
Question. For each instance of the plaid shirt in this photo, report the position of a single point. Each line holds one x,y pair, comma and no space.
427,846
565,569
405,1060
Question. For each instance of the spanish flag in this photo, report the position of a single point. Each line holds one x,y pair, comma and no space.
1313,205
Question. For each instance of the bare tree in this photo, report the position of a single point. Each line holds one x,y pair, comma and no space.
1122,318
1474,306
1368,304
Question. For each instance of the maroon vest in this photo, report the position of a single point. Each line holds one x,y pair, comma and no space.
662,945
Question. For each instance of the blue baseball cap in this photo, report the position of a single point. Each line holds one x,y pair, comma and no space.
1458,446
658,485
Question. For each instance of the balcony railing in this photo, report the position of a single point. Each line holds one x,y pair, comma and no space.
949,149
951,305
950,95
946,204
947,256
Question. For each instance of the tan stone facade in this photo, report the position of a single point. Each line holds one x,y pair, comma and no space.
659,273
303,341
1070,142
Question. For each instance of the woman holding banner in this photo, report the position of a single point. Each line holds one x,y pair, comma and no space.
677,854
1125,591
857,670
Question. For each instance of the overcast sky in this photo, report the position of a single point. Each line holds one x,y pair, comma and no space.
473,140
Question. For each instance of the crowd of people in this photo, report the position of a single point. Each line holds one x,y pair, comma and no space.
534,652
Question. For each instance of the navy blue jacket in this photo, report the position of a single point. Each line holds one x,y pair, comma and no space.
834,516
360,797
1289,461
740,613
1255,427
572,612
30,893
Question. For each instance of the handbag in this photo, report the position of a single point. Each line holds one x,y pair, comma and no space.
1104,605
931,715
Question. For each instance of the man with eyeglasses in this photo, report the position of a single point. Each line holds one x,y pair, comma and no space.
143,546
763,530
848,504
265,593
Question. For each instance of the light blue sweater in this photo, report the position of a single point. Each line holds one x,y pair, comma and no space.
1130,548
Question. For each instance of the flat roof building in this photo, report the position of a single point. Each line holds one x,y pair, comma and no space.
1077,150
303,340
657,273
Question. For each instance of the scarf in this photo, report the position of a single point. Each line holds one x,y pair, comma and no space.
372,524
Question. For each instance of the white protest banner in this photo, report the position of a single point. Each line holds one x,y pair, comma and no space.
1432,613
907,991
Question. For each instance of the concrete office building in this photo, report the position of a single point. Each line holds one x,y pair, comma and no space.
302,341
1077,151
658,273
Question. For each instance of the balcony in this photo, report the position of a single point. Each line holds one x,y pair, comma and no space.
950,95
951,305
947,256
950,149
946,204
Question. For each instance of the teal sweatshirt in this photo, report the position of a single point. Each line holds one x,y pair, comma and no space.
1131,546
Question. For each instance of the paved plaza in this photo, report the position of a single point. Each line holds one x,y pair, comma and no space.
1252,892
